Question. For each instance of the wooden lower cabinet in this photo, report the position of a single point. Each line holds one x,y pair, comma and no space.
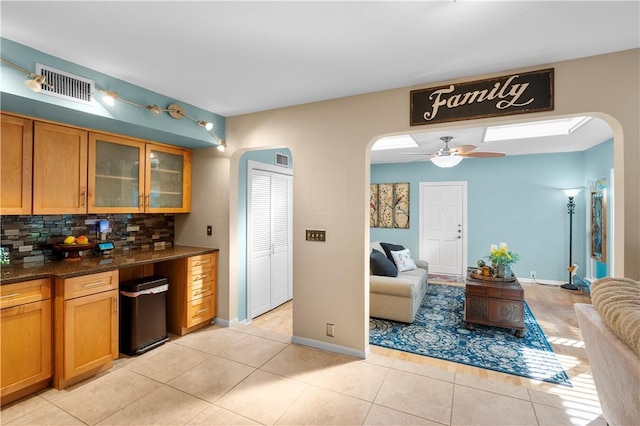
25,336
191,300
86,326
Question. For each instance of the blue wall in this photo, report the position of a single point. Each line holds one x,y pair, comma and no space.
514,199
122,118
267,156
598,163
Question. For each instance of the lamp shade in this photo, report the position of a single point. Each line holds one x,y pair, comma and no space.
446,161
572,192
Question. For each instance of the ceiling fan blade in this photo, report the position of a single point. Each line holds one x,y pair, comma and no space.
426,154
482,154
416,160
463,148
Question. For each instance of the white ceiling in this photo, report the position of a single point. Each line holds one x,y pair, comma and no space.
237,57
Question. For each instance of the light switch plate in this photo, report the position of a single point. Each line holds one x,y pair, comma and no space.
316,235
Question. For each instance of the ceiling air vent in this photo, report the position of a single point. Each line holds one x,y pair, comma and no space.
67,86
282,160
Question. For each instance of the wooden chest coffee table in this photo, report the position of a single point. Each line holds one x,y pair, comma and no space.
494,303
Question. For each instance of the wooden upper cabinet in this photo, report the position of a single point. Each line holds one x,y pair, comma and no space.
167,180
132,176
59,169
16,155
48,168
116,174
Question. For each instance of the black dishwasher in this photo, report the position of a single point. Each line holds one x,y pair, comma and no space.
143,314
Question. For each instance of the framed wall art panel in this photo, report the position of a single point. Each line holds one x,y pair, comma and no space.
599,226
389,205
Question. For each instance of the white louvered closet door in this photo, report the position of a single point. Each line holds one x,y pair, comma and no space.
270,242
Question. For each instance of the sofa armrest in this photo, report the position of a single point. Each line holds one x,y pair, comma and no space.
393,286
423,264
615,368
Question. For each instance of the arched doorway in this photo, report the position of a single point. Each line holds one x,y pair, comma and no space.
517,188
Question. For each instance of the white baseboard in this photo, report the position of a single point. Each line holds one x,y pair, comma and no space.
541,282
330,347
225,323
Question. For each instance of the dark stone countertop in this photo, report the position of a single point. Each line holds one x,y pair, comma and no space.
96,263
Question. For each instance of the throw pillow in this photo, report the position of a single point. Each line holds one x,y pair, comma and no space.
375,245
388,248
403,260
617,300
380,265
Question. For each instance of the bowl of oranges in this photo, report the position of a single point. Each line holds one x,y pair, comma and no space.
72,246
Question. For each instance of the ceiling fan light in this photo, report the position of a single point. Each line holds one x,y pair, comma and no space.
446,161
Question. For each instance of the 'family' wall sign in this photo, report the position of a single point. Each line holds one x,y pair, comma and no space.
512,94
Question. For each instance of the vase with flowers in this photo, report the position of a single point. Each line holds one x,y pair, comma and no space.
502,259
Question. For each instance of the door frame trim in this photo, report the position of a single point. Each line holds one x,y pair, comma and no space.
465,228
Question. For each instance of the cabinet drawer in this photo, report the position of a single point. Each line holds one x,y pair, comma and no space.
200,289
201,266
205,274
90,284
24,292
199,310
505,292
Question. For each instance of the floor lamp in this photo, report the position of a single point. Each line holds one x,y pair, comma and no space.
570,209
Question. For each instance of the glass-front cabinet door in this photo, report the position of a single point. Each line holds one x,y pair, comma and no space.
168,180
116,174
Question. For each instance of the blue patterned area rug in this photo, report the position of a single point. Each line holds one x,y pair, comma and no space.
438,331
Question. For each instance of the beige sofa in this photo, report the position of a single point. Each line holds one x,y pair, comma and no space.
611,333
398,298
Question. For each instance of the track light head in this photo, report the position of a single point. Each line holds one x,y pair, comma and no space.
222,146
109,97
34,82
154,109
208,126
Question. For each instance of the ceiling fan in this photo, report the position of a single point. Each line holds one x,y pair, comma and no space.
449,157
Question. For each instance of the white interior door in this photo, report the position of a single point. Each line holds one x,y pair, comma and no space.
279,240
259,276
270,239
443,241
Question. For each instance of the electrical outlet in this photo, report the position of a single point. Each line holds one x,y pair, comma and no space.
330,330
533,274
209,230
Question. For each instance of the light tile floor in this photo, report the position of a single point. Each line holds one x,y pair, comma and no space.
252,374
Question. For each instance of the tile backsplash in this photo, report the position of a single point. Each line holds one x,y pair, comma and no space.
31,238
